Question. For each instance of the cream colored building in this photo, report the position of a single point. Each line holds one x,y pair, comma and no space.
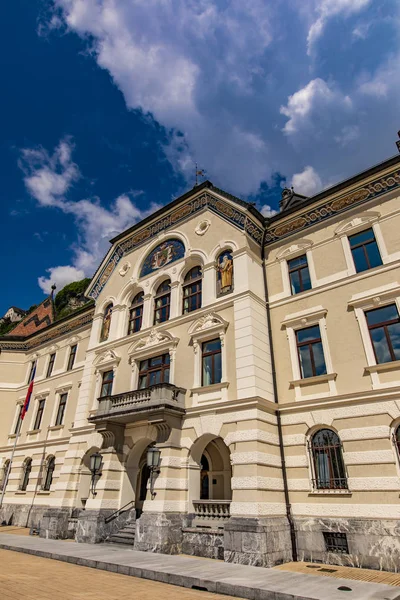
260,357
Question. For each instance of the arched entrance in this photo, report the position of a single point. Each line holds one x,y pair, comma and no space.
136,476
210,475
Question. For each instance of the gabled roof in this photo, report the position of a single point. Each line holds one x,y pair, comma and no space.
242,215
17,310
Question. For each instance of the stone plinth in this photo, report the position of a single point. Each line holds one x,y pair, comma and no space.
55,524
199,541
260,542
160,532
372,543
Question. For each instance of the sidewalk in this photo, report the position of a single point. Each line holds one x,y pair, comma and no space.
253,583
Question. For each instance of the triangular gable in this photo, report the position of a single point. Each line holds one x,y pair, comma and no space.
235,211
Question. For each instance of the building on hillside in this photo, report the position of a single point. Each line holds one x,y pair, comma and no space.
238,378
14,314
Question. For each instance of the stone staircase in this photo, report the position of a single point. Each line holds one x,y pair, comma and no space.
126,535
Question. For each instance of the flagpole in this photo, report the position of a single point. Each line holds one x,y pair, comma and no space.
39,477
3,491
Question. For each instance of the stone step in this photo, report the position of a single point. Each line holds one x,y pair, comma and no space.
126,535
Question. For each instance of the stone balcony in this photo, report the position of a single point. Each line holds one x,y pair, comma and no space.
157,402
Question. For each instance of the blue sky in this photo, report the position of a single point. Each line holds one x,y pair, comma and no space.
106,105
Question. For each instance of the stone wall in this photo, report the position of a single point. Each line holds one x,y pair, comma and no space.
22,515
372,544
199,541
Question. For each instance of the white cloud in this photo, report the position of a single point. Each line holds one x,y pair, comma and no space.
268,211
308,182
317,97
234,88
325,10
48,178
60,276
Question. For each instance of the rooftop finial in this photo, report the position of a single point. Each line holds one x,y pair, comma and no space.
199,173
53,289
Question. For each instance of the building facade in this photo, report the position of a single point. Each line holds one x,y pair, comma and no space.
260,357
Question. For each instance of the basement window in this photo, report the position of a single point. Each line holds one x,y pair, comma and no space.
336,542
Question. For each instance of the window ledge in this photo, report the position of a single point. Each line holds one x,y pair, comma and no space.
210,388
331,493
381,367
20,493
55,427
44,492
32,431
12,436
316,379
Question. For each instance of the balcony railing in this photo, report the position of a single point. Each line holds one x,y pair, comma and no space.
152,399
214,511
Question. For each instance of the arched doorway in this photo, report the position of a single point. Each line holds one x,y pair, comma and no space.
136,476
210,471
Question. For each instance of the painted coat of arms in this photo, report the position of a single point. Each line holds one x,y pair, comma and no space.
163,255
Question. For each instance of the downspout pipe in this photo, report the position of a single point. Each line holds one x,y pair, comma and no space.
278,414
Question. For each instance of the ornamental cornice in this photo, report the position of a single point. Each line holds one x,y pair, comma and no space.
26,345
234,215
313,215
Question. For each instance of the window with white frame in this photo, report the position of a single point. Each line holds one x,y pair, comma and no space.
299,274
211,362
384,330
208,338
310,352
39,414
50,366
364,250
61,409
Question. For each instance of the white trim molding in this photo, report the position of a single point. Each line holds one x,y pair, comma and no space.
376,298
300,320
155,343
206,328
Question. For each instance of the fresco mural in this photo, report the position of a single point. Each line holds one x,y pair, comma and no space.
224,273
163,255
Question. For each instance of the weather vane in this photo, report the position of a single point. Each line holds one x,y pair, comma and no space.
199,173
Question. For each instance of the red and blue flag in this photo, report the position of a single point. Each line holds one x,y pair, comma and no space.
28,394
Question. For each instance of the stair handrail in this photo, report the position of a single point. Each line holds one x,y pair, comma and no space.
116,514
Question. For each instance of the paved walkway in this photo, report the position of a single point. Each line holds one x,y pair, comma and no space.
240,581
26,577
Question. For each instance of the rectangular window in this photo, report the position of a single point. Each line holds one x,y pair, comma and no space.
384,329
212,364
336,542
107,383
19,420
32,371
365,250
310,352
61,409
154,370
39,414
299,274
72,356
50,365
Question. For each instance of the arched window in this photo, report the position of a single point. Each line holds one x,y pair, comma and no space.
105,328
136,313
328,461
26,471
162,301
224,273
396,440
51,464
192,290
5,475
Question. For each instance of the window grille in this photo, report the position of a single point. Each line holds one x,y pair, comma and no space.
329,471
336,542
